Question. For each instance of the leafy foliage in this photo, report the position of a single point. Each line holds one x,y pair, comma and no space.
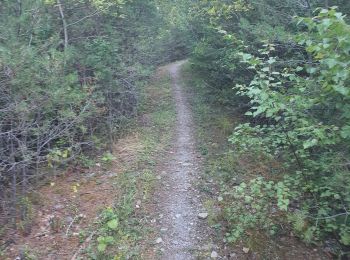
70,72
296,105
290,78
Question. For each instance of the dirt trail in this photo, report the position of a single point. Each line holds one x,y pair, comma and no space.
178,199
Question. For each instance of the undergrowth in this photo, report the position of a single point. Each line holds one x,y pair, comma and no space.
247,198
122,228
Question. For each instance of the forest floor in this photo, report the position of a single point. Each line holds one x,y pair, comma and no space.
156,185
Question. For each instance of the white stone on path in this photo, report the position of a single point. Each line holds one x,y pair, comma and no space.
202,215
214,255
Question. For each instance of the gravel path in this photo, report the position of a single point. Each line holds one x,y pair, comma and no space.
179,204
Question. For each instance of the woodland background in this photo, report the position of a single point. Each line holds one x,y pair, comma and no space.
71,71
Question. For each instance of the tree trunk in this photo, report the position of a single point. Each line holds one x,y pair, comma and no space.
64,24
19,14
13,186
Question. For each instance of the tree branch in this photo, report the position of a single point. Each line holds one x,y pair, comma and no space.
64,23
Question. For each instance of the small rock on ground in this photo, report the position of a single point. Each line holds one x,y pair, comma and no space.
246,250
214,254
202,215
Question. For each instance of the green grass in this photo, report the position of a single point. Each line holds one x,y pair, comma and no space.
137,182
215,123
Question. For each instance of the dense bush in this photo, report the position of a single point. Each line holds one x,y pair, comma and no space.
69,72
292,76
305,108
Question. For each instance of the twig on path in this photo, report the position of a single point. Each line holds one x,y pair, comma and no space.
83,246
70,225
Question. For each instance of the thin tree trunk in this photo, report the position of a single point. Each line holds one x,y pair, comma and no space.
19,14
64,24
24,168
24,193
37,161
14,199
13,185
110,129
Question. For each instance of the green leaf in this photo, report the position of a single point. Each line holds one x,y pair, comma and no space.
327,22
246,56
109,239
341,89
101,247
271,60
345,131
345,238
337,196
331,62
310,143
113,224
311,70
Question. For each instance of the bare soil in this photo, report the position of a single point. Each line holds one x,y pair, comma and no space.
65,211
